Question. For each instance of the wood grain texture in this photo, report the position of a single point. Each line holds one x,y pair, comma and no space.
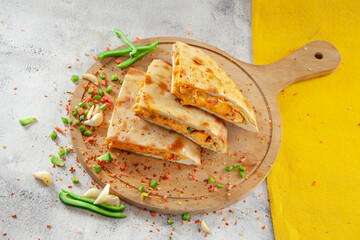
259,84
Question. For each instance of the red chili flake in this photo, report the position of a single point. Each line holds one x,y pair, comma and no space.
153,214
223,211
257,163
69,66
103,82
137,38
13,215
91,139
215,189
165,197
59,129
243,159
167,176
74,124
194,176
227,224
71,169
108,105
197,221
189,31
69,186
22,30
263,227
48,226
123,167
255,211
95,58
118,61
4,234
107,48
314,183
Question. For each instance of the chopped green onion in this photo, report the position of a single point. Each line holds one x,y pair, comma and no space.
211,180
75,180
105,157
82,128
185,216
97,169
190,129
101,92
58,162
86,112
64,120
154,184
82,117
26,121
229,168
53,135
83,105
74,114
87,133
114,77
242,168
103,107
141,188
61,152
91,103
236,166
102,76
67,151
97,97
121,81
90,91
71,121
170,221
144,195
219,186
108,89
242,174
75,78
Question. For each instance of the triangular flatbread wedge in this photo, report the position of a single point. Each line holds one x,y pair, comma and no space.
156,104
198,80
131,133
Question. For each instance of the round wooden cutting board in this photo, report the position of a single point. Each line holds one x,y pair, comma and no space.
188,189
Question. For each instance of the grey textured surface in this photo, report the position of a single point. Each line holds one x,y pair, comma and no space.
36,61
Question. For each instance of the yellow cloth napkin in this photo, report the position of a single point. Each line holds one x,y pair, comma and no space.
314,187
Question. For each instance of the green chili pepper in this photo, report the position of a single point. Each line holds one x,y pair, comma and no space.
91,103
97,97
219,186
87,133
127,42
105,157
82,117
108,89
74,114
76,109
83,105
90,91
97,169
190,129
125,51
242,174
229,168
154,184
114,78
53,135
86,112
76,203
211,180
101,92
121,81
102,76
71,121
141,188
61,152
75,78
26,121
242,168
64,120
67,151
75,180
58,162
103,107
133,60
185,216
82,128
170,221
89,200
144,195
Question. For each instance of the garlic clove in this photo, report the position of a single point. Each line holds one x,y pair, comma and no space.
90,112
96,110
91,77
95,121
103,195
92,193
43,176
113,200
205,227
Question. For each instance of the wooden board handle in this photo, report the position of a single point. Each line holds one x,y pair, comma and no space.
315,59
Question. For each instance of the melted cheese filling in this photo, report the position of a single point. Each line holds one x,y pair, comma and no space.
166,155
200,137
195,97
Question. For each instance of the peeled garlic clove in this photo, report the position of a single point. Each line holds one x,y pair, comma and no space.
90,112
43,176
95,121
113,200
103,195
92,193
91,77
205,227
96,110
